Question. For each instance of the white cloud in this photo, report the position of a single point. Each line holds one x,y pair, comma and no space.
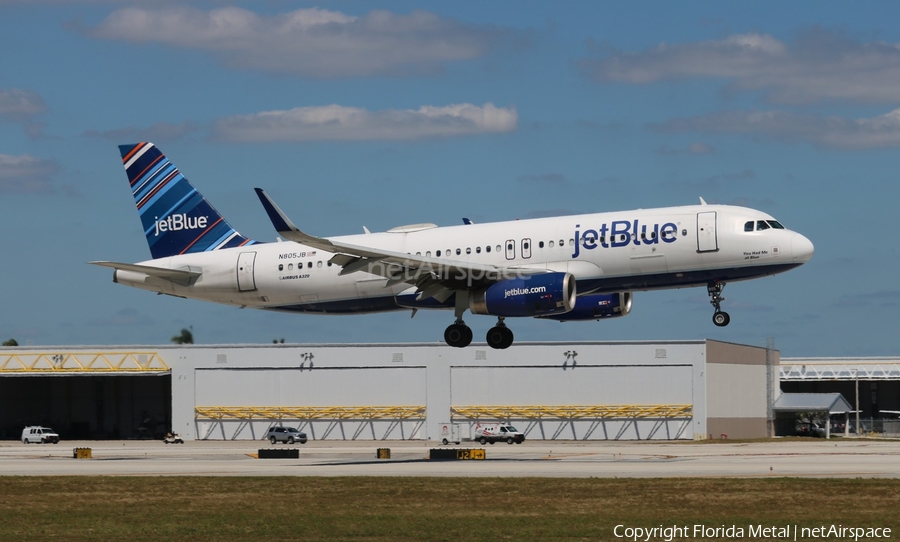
882,131
25,174
161,132
340,123
19,105
819,65
312,42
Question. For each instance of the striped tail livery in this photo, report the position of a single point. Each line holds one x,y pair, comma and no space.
177,219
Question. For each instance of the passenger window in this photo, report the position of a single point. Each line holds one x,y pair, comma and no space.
290,267
281,267
683,232
329,264
748,226
309,265
541,244
428,254
468,250
761,225
551,244
319,264
572,242
499,248
458,252
438,253
562,243
487,248
478,250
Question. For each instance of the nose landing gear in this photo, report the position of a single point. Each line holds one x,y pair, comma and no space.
714,289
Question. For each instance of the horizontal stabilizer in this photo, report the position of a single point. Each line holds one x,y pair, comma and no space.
176,275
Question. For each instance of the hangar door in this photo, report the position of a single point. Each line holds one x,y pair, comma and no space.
88,406
328,403
85,394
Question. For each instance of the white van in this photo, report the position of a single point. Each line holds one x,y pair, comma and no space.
40,435
497,432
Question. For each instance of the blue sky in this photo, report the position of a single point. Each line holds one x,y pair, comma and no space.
356,114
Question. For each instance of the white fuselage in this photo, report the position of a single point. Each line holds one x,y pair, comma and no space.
606,252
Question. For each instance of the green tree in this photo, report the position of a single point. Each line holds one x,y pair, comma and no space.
185,337
11,342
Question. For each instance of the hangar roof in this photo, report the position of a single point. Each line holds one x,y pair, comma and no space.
833,403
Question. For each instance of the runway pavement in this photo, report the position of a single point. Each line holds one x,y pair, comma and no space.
816,458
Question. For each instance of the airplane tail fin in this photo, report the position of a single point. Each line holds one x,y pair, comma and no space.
176,218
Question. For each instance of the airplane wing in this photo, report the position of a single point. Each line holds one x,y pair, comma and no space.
433,277
181,276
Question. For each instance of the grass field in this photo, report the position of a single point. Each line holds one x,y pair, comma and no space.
390,509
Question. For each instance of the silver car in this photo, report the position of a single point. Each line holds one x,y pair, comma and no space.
285,434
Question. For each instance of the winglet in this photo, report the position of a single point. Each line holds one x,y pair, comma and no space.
286,228
281,222
702,201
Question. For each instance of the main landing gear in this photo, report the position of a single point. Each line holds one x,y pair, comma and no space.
459,335
500,336
714,289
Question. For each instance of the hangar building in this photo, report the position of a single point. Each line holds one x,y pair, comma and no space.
566,391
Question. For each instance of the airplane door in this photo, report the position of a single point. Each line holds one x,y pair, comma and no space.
706,232
510,249
526,248
246,280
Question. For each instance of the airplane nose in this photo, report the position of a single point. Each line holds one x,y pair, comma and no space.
801,248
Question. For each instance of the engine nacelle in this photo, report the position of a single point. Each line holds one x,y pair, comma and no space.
597,307
532,295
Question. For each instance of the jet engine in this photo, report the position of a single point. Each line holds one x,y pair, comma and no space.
597,307
532,295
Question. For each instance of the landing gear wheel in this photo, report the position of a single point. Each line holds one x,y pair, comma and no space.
721,319
458,335
714,289
499,337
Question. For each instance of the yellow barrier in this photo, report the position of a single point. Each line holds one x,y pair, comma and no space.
310,413
81,453
81,362
571,412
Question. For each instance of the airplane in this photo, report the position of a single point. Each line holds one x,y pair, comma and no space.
567,268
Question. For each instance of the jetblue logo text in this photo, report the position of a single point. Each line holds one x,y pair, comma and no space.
179,222
623,233
523,291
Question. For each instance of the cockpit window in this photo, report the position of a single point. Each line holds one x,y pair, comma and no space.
748,226
761,225
775,224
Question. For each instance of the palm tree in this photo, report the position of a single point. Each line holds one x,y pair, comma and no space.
186,336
